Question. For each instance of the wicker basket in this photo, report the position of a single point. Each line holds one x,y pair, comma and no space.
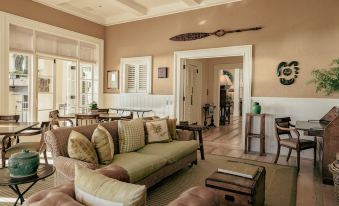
335,172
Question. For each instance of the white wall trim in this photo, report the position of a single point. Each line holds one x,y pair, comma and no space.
245,51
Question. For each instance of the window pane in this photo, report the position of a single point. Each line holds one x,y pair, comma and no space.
19,87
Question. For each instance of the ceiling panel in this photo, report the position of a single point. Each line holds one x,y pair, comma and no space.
110,12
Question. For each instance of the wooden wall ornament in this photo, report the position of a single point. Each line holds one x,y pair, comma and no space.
288,72
218,33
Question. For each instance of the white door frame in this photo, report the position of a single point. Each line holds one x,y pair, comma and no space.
245,51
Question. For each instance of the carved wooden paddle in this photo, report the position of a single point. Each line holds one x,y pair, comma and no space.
200,35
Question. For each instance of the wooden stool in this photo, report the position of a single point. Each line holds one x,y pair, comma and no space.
249,134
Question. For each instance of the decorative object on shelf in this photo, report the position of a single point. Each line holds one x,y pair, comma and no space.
24,164
256,108
288,72
218,33
93,105
112,79
44,85
327,80
229,74
162,72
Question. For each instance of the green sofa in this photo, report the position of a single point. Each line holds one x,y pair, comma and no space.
146,166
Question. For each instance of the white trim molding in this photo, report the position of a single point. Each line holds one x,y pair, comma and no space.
245,51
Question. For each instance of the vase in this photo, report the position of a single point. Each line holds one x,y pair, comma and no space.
256,108
23,164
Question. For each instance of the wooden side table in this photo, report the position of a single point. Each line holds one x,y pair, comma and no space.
249,134
195,128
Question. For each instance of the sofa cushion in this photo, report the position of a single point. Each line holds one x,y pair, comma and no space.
103,144
131,135
92,188
138,165
172,151
80,148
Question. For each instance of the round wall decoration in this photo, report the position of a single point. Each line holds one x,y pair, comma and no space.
288,72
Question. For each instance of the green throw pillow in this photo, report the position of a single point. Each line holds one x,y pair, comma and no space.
80,148
92,188
103,144
131,135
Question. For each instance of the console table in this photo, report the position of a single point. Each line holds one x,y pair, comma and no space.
194,129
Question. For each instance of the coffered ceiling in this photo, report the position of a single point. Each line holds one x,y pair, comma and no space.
110,12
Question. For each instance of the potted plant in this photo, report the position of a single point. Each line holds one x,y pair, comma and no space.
327,80
93,105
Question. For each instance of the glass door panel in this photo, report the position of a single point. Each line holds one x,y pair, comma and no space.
20,70
66,86
89,86
45,87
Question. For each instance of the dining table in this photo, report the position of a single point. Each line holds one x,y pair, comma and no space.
13,128
136,110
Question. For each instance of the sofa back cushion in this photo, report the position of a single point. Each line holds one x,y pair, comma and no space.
92,188
131,135
80,148
58,138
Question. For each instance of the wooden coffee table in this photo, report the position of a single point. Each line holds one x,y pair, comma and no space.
44,171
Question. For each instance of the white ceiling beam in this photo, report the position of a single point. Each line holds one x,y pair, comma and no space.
192,2
134,6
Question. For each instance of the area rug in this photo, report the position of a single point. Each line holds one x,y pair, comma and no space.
281,183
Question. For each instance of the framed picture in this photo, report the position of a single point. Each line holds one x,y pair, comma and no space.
162,72
112,79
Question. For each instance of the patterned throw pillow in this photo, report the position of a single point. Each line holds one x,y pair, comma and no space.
92,189
80,148
157,131
103,144
172,126
131,135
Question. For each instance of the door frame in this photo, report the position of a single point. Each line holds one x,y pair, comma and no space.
245,51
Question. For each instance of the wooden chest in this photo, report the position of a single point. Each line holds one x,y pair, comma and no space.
239,191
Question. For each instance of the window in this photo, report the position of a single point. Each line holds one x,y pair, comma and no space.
89,85
136,74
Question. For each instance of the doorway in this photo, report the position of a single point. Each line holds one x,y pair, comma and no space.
242,51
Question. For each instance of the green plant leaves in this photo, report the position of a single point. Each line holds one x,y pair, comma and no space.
327,80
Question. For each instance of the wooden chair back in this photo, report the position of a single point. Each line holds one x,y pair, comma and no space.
100,111
54,114
9,118
86,119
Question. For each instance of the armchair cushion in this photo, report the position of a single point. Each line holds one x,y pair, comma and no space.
293,142
92,188
172,151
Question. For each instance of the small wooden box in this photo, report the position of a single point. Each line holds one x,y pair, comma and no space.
239,191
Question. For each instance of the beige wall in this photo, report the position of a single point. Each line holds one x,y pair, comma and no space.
303,30
48,15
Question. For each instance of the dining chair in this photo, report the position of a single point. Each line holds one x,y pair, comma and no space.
39,147
283,127
86,119
100,111
56,119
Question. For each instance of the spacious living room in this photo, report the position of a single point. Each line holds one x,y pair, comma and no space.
169,102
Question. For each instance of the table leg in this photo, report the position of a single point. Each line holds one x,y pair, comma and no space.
142,115
138,114
19,193
202,153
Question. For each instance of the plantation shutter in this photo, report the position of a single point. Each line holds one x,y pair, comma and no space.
142,79
131,78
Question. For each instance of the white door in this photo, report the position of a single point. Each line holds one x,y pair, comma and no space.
192,91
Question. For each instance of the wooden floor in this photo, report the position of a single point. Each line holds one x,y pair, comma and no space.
226,141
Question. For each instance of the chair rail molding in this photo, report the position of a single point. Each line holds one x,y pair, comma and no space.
245,51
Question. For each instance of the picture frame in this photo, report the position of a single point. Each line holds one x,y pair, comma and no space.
113,79
162,72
